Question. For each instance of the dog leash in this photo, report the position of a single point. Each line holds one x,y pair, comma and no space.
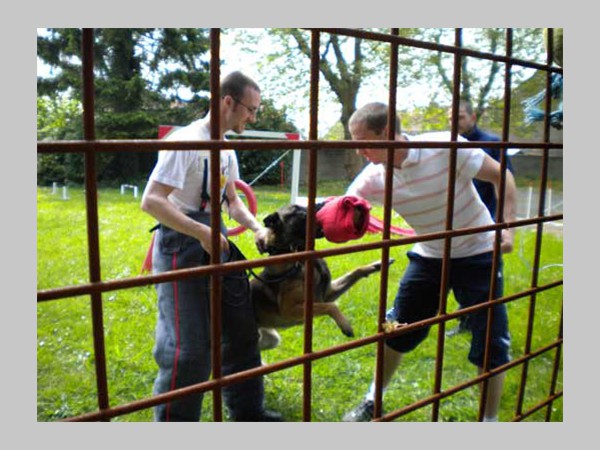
288,274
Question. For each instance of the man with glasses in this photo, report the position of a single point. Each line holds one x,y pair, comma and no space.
177,195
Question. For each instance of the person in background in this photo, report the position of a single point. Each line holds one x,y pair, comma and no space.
467,128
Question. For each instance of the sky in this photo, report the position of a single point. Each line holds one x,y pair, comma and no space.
297,102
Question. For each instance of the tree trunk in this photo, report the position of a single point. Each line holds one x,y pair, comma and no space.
353,163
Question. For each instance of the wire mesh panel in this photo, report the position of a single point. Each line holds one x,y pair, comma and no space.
432,399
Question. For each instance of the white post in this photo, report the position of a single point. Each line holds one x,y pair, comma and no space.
135,191
530,195
122,189
295,176
549,207
65,195
54,187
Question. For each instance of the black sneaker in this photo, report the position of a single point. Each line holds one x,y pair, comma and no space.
462,327
362,413
263,416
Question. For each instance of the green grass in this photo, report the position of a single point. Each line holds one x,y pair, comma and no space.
66,384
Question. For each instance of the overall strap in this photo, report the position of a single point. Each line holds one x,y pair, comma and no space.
204,197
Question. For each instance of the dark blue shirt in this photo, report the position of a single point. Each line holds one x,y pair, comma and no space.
486,190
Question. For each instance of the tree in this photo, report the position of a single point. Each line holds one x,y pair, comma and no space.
482,81
54,114
348,65
140,75
345,63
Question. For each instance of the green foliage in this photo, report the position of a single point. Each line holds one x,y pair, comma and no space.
140,78
65,357
134,93
432,117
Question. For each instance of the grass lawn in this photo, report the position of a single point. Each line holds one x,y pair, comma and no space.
66,383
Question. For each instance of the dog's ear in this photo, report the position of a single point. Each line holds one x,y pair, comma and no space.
272,220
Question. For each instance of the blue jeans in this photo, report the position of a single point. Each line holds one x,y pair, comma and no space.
418,299
182,347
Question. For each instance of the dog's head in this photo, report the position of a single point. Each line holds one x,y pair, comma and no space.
286,230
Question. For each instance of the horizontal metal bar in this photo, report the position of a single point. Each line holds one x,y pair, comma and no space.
282,365
448,392
146,145
107,286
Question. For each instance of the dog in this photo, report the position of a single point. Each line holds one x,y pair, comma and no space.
278,291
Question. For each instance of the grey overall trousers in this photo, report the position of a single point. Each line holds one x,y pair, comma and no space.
182,348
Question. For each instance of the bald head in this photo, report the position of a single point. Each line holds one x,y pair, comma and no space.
374,116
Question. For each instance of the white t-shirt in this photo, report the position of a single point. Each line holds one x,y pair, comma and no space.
420,194
184,169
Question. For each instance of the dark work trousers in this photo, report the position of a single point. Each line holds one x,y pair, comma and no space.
182,348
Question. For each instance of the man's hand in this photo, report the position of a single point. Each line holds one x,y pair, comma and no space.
260,239
507,243
205,241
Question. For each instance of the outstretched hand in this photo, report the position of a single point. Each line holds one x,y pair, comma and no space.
260,239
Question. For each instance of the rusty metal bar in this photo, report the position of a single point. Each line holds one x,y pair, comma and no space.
96,287
556,368
497,256
145,145
215,219
436,397
446,260
387,221
84,289
548,403
315,39
230,379
540,228
91,198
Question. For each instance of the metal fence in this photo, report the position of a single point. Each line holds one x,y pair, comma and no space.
97,286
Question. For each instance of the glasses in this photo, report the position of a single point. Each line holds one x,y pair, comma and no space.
252,110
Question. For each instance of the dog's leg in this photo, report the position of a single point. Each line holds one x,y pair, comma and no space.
268,338
340,285
323,309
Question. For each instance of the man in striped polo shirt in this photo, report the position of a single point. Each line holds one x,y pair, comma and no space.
419,195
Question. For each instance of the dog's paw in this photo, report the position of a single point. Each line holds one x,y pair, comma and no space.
269,338
348,332
376,266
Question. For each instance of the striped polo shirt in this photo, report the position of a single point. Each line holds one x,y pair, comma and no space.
420,194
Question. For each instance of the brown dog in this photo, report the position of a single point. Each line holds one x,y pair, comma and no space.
278,291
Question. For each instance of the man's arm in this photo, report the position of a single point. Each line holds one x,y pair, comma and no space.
490,171
242,215
155,203
238,210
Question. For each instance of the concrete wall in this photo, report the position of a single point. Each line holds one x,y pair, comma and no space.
331,165
530,166
527,164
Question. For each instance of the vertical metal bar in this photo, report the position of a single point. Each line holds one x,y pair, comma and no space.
446,262
539,229
387,220
91,198
555,369
310,221
499,218
215,218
